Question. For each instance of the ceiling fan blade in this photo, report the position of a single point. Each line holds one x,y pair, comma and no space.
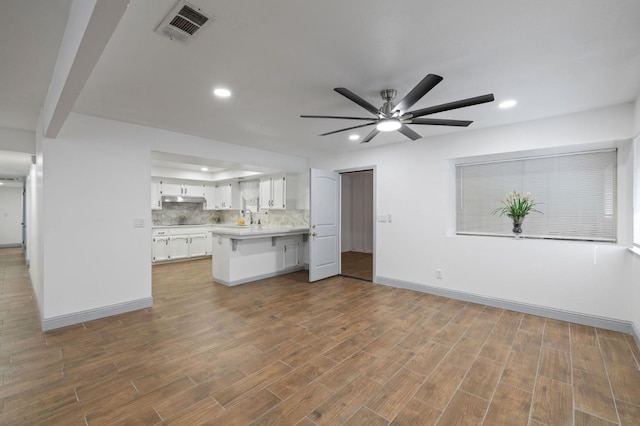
405,130
451,105
370,136
421,89
348,128
440,122
357,99
339,117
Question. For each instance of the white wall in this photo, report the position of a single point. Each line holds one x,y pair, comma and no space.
635,296
10,215
96,178
580,277
35,243
357,212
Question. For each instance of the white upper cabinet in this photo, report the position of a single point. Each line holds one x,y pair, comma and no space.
156,196
193,190
170,188
196,190
227,196
210,197
273,192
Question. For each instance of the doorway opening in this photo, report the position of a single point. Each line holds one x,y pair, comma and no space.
357,224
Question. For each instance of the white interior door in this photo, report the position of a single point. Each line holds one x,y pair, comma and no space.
324,247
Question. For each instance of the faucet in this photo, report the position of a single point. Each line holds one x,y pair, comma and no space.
250,215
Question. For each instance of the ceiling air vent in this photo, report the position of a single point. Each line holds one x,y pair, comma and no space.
183,22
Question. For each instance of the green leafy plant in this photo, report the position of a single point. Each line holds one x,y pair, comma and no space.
517,206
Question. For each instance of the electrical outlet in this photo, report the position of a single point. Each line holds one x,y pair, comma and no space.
439,274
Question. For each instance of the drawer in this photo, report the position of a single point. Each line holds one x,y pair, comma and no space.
187,230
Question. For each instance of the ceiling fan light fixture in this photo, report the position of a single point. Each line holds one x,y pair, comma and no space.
388,125
354,137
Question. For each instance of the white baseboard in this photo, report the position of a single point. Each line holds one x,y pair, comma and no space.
97,313
543,311
635,332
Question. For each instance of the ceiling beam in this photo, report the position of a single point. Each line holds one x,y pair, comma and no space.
89,28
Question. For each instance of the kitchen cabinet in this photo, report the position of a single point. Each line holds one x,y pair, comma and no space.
210,197
199,245
273,192
178,247
156,196
160,245
195,190
175,243
227,196
290,254
240,256
169,188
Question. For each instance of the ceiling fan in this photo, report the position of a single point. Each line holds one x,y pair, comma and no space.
391,117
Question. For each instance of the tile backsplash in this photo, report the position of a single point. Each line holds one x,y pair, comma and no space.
193,214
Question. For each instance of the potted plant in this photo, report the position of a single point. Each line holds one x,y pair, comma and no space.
517,207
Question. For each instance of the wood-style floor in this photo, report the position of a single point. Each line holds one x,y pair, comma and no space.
358,265
283,351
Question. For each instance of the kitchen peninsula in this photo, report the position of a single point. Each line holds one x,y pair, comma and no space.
245,253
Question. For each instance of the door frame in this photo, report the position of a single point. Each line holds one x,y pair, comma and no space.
375,216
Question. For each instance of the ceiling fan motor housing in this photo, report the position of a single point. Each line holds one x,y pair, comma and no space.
388,95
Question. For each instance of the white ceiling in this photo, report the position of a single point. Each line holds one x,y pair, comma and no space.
283,58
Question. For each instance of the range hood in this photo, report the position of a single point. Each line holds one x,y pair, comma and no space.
183,199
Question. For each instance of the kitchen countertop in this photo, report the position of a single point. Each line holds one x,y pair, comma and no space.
181,226
241,232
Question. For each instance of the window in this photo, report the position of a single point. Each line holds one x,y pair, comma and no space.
250,191
576,193
636,191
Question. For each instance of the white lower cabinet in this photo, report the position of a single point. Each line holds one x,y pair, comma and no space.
199,245
179,247
238,261
161,248
290,250
180,243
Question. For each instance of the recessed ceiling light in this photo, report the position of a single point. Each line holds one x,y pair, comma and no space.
221,92
507,104
204,169
354,137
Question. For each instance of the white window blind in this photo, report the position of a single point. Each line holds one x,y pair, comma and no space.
576,193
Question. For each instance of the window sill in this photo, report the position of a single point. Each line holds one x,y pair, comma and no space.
634,250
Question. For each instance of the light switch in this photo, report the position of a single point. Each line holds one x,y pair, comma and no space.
138,222
383,218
